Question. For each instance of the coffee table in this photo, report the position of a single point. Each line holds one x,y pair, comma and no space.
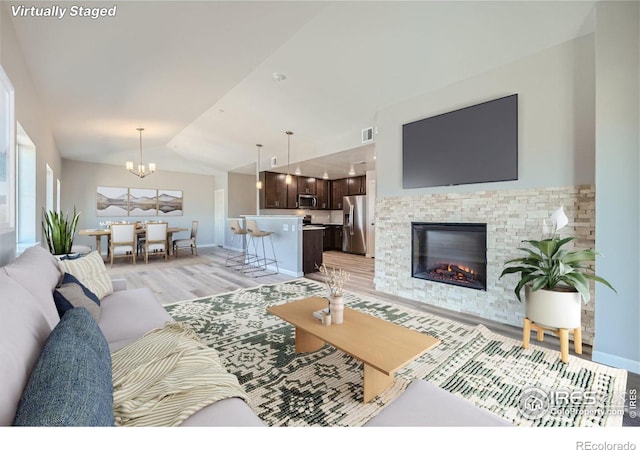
382,346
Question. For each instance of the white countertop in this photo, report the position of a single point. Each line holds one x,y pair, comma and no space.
312,227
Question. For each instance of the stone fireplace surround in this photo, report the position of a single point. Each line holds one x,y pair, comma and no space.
511,216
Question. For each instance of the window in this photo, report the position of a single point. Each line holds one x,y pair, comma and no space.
7,154
49,205
26,190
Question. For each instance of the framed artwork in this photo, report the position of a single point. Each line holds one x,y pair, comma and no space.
7,155
169,202
112,201
143,202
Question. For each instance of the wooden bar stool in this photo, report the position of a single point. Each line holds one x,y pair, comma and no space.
234,259
259,262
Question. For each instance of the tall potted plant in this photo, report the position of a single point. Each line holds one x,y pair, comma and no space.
59,230
555,280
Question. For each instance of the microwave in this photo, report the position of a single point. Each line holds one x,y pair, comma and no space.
307,201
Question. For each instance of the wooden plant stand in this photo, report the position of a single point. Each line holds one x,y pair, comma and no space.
562,333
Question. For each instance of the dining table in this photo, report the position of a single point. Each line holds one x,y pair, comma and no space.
100,232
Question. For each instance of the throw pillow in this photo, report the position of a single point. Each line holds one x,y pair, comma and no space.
73,294
90,271
70,384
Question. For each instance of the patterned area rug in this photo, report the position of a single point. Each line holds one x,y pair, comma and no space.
324,388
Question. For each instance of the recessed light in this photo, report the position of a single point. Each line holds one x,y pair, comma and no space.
325,176
352,171
298,171
278,76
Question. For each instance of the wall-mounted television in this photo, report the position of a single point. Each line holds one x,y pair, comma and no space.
476,144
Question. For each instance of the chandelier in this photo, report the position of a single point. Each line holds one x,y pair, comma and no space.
142,171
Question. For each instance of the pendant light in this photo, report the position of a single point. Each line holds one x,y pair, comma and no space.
258,182
288,177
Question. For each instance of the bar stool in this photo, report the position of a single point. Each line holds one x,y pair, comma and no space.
255,261
237,260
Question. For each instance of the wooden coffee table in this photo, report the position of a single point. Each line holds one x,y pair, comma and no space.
382,346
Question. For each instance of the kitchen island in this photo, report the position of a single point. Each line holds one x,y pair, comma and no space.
289,236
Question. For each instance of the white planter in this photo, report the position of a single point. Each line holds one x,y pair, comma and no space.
553,309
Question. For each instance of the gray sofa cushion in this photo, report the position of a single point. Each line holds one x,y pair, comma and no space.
424,404
70,384
23,332
125,316
37,271
231,412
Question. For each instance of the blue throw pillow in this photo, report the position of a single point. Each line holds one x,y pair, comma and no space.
71,256
71,293
70,384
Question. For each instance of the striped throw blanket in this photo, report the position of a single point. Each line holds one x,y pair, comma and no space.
166,376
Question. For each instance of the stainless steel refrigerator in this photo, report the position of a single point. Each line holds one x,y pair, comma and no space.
354,233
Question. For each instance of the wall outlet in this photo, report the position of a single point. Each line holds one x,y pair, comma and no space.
285,227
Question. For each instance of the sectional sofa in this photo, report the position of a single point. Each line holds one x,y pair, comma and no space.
55,358
29,325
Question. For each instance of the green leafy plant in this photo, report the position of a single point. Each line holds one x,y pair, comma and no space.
548,266
59,230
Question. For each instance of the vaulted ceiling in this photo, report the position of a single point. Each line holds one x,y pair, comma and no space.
199,76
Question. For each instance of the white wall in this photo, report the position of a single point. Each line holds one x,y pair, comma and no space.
242,194
617,186
80,180
555,114
30,114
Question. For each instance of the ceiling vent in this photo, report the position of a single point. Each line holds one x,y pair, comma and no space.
274,161
367,135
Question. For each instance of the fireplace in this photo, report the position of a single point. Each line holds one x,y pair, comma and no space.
451,253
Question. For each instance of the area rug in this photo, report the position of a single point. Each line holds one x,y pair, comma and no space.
324,388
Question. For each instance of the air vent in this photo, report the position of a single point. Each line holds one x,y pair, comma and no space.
367,135
274,161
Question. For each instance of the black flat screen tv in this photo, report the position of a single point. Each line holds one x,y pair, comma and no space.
476,144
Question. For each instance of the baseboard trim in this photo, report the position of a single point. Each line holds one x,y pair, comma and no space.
616,361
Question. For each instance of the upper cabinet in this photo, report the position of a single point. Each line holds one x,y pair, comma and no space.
277,194
306,185
322,191
274,192
338,190
292,192
357,185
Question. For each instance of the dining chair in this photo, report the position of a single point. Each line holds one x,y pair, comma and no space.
122,242
187,243
155,241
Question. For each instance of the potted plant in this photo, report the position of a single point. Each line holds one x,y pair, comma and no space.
555,280
59,230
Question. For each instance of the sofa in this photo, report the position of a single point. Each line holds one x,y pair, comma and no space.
74,391
32,318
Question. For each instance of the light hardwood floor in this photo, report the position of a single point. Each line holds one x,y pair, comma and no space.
189,276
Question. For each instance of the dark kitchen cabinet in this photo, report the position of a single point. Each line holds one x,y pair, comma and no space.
276,193
357,185
338,190
306,185
274,190
332,238
322,192
311,250
292,192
